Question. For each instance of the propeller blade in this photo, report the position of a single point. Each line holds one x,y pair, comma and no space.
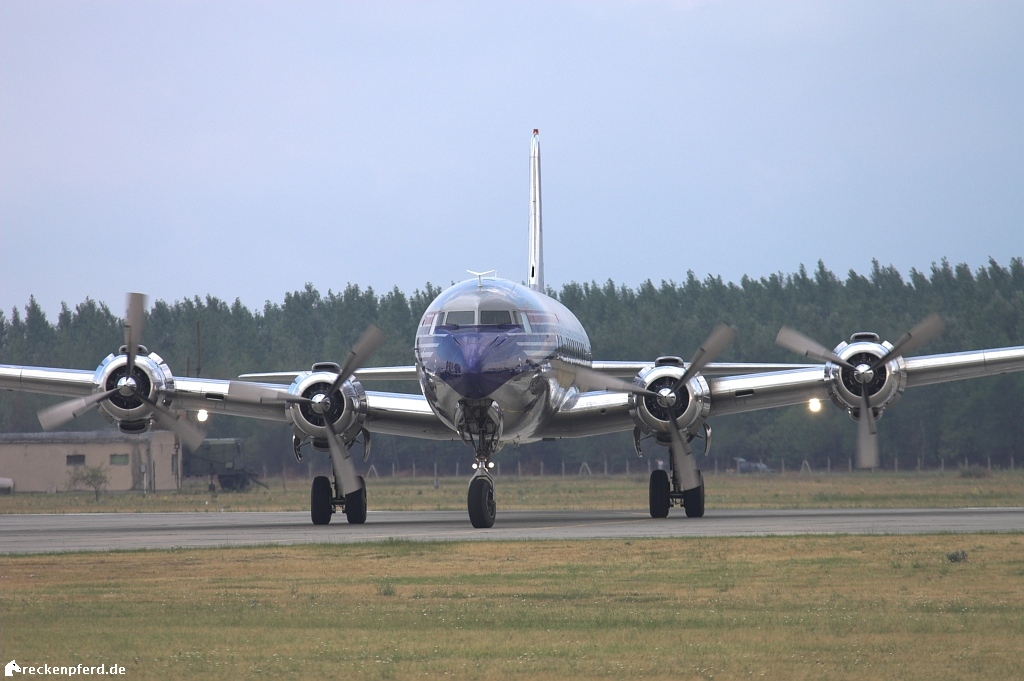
190,435
344,467
360,352
867,434
793,340
684,464
59,414
254,394
926,330
721,337
587,379
135,309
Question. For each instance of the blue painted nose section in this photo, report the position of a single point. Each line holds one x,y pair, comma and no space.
475,364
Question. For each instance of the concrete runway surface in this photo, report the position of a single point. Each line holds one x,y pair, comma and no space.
105,531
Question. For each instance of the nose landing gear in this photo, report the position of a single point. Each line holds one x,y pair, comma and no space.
480,500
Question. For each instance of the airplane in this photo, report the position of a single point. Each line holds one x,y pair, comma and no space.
501,363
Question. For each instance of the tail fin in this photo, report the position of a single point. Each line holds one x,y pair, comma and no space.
535,280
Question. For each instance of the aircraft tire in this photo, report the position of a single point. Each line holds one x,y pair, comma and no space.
482,508
320,507
355,505
693,500
659,494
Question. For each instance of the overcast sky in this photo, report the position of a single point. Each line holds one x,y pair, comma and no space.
242,149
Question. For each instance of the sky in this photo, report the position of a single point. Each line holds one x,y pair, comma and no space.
243,149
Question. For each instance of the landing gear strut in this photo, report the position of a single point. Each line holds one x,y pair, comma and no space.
480,425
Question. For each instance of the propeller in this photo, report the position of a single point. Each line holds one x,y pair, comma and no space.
927,329
133,319
867,430
793,340
721,338
587,379
682,460
189,435
59,414
363,349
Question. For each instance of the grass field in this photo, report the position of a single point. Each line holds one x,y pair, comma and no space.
952,489
731,608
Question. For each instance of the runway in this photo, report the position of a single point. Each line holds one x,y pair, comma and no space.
107,531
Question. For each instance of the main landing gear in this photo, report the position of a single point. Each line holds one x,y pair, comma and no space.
323,502
664,493
348,490
683,484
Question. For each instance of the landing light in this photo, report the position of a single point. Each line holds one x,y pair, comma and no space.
814,405
202,415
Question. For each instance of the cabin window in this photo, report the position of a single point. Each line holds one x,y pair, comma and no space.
495,317
118,459
460,318
76,459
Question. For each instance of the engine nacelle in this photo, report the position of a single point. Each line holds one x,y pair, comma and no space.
689,409
152,377
884,389
347,410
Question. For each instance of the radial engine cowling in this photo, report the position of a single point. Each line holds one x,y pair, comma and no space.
152,377
885,386
346,407
689,408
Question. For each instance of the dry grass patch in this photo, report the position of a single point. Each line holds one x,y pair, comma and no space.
794,608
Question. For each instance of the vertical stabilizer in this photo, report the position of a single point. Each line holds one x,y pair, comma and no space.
535,280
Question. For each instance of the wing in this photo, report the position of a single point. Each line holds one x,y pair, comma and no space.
595,413
66,382
631,369
388,413
366,374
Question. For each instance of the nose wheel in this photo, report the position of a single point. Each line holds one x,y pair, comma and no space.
482,508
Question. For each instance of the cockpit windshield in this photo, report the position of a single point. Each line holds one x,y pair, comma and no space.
495,317
460,318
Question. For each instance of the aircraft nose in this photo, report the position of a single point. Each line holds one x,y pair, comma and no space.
476,364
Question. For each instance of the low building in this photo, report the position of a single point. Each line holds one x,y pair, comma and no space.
43,462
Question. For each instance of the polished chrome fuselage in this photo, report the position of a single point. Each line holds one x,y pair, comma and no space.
511,365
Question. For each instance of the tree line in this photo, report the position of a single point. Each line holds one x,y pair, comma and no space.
976,420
